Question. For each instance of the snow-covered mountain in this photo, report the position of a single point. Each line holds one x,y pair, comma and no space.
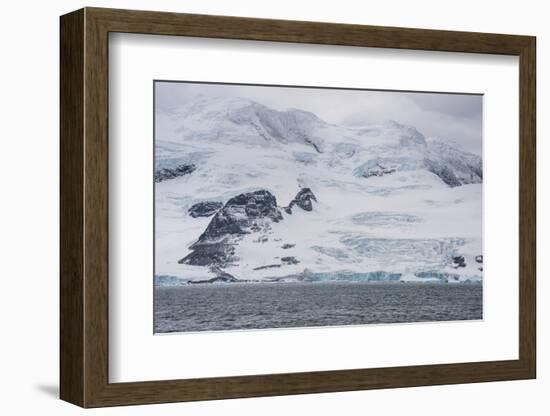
246,192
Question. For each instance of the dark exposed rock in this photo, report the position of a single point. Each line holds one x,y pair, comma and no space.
267,266
221,276
458,261
224,279
479,259
205,254
244,214
262,238
287,246
205,209
380,166
453,165
172,173
378,170
303,199
239,214
444,173
315,145
290,260
285,261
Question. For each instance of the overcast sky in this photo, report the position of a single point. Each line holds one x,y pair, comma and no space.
456,117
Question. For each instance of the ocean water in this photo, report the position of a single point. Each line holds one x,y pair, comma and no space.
223,307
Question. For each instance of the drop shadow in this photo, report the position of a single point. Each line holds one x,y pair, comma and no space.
51,390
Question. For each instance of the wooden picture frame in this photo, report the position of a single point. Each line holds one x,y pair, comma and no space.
84,207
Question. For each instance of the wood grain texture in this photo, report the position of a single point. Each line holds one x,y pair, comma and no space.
162,23
96,208
528,207
71,100
84,207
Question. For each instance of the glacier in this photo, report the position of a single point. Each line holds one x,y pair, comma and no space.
246,193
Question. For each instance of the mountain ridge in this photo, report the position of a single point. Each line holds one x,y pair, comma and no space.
378,191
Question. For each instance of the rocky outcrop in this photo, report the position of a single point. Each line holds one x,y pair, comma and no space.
285,261
377,170
247,213
241,214
205,209
172,173
222,277
454,166
267,266
303,199
289,260
458,261
244,214
386,165
444,173
479,259
210,253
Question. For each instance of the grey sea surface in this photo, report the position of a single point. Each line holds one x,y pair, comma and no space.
224,307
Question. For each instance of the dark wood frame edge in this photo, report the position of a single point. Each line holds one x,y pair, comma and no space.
84,207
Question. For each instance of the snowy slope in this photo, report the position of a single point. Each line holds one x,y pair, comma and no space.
387,203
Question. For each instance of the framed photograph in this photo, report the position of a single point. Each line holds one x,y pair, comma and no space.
256,207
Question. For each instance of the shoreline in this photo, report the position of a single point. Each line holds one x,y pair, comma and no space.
305,282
